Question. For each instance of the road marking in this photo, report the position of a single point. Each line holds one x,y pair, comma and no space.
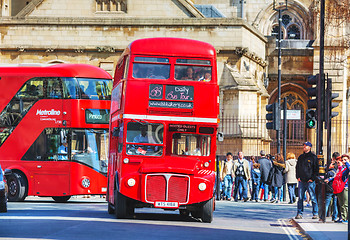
292,235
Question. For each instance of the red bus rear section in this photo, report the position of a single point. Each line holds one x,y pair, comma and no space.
54,130
163,126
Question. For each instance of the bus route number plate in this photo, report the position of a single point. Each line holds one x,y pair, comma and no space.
159,204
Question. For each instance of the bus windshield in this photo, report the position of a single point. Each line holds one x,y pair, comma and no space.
191,144
144,139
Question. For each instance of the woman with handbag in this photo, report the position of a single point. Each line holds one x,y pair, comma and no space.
291,179
277,176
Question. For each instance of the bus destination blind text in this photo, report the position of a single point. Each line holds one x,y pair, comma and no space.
182,128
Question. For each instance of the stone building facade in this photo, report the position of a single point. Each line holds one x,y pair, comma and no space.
96,32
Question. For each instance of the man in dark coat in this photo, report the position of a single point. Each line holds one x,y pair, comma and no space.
306,173
265,166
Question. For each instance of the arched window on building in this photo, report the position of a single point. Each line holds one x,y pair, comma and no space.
291,27
275,32
293,32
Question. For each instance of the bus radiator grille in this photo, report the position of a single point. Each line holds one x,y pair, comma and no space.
167,187
178,189
156,188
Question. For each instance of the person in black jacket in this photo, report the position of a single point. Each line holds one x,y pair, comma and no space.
306,173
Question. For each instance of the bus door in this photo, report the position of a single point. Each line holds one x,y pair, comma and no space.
52,166
52,172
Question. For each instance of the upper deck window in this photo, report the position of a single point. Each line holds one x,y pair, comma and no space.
151,68
193,70
95,88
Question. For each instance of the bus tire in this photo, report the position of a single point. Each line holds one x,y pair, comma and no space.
120,206
207,211
61,199
184,212
3,206
17,186
110,208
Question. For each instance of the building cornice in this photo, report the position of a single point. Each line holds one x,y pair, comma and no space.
134,22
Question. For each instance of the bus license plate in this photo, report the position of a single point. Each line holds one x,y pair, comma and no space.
166,204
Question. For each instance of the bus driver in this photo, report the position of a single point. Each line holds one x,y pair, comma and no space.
142,137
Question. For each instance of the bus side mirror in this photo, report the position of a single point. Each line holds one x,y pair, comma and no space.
220,137
116,131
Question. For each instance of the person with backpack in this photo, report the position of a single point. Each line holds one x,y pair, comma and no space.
226,176
329,177
277,177
306,173
340,186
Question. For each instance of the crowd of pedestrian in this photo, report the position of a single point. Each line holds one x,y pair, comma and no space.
264,179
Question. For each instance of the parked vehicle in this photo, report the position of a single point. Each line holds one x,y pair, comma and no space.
3,189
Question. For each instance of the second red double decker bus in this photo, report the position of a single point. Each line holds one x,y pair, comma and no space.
163,125
54,130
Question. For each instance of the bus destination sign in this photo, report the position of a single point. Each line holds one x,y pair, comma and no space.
182,128
97,116
174,96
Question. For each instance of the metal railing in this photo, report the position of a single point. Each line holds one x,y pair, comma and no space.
250,136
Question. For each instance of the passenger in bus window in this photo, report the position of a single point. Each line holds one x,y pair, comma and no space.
40,90
56,91
142,137
62,151
207,76
91,91
188,74
198,76
137,71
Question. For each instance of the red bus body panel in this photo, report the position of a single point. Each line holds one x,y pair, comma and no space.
185,173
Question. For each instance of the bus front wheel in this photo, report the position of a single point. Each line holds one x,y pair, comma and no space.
207,211
123,207
17,187
120,209
61,199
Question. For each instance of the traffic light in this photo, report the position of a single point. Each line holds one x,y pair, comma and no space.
274,116
310,118
312,92
330,97
314,95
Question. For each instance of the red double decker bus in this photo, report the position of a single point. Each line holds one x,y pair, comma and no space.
54,129
163,125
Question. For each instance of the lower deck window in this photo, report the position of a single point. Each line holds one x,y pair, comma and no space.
191,144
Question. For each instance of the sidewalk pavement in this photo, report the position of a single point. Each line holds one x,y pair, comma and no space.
317,230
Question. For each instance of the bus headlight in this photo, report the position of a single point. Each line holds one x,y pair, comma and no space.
202,186
131,182
85,182
206,164
126,160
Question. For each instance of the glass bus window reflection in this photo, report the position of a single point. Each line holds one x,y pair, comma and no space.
193,73
144,139
151,71
190,144
90,147
95,88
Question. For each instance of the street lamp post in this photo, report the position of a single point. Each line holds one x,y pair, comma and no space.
279,6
